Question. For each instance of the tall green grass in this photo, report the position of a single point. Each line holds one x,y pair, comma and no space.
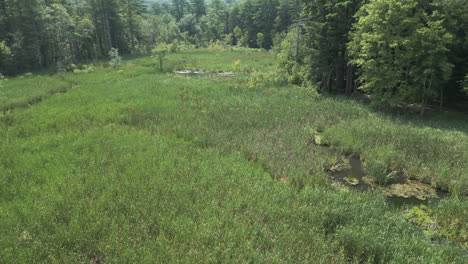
433,155
137,165
28,90
117,194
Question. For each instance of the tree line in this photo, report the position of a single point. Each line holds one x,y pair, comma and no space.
413,51
37,34
394,50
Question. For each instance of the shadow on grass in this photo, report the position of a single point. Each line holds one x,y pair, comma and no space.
447,118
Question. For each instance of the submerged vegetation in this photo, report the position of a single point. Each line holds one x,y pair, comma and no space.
135,164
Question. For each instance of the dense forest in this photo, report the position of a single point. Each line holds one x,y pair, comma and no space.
44,33
396,51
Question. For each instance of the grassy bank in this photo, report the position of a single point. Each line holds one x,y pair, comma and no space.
136,165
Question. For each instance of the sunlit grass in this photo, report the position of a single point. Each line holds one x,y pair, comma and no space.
138,165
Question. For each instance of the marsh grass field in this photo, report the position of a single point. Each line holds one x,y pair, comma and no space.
137,165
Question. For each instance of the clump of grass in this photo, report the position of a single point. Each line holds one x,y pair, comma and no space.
26,91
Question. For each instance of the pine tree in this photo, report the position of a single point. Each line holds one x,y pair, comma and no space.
132,10
217,19
179,8
198,8
328,23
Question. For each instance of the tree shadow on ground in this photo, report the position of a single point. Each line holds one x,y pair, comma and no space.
447,118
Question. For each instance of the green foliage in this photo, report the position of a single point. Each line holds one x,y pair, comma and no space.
451,215
446,220
328,23
421,215
260,39
2,79
239,35
465,84
455,20
228,40
6,58
41,34
179,7
198,8
83,69
72,67
290,59
115,59
160,52
396,51
173,47
400,57
216,19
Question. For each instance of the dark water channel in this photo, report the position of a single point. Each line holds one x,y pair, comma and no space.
355,172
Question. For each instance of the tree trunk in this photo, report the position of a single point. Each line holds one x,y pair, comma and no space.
441,98
130,27
340,73
107,29
349,81
328,83
97,45
423,107
424,102
95,51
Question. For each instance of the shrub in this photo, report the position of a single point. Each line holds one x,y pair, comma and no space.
174,47
2,79
160,52
465,84
115,59
236,67
72,67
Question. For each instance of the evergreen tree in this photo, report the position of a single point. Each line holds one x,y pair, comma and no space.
264,19
198,8
217,19
328,23
132,11
179,8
